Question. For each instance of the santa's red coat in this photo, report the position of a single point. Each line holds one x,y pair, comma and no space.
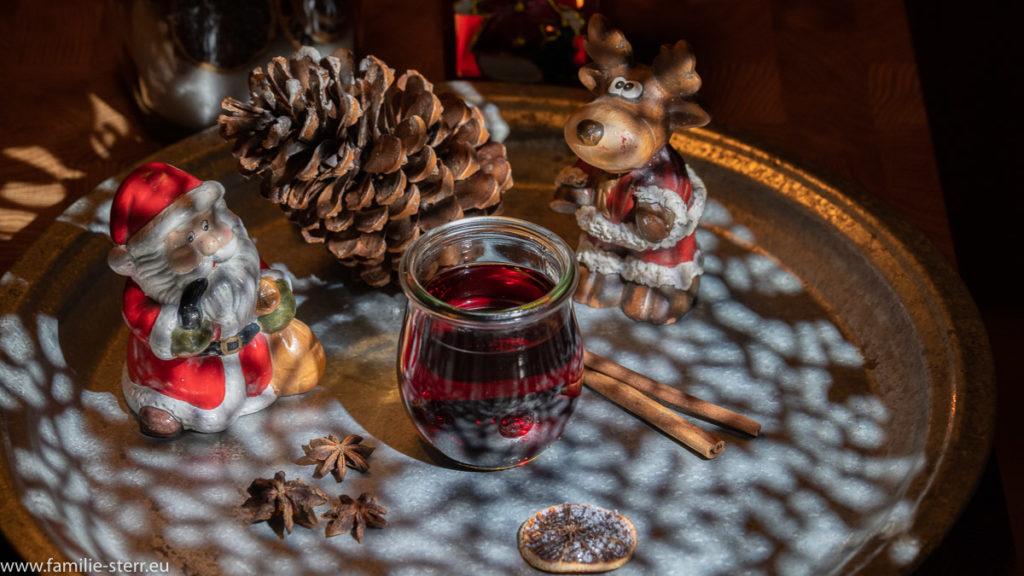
198,380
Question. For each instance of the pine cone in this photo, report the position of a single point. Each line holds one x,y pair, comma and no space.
361,161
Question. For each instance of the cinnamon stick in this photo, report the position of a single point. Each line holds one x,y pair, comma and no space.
674,397
650,411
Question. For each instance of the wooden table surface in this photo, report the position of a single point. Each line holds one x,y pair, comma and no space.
834,85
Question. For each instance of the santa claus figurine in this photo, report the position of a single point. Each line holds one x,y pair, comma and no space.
213,331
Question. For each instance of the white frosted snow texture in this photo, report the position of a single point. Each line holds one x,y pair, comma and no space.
802,498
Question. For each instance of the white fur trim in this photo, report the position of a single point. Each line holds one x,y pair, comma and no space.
624,234
597,260
671,201
698,199
655,275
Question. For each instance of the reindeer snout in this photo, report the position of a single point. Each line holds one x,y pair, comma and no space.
589,132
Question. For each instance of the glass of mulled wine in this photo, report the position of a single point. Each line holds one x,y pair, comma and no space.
490,360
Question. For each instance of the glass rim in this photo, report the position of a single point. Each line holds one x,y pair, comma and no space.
564,285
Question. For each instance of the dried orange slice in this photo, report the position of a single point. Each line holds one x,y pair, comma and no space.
577,539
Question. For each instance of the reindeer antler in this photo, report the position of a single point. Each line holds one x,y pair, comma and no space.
675,68
607,47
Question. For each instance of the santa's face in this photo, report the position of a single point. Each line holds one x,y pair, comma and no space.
190,242
196,240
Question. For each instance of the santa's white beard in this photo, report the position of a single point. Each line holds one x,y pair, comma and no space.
233,274
230,298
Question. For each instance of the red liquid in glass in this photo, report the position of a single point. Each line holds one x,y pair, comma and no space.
495,396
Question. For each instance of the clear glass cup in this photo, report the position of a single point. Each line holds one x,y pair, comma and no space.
490,359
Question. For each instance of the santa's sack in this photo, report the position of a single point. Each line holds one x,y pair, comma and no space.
298,359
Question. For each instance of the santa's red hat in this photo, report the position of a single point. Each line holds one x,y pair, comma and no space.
147,192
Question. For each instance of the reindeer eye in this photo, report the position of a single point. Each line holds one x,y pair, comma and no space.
626,88
206,225
191,237
632,90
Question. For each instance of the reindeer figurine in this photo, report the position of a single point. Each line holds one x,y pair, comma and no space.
634,198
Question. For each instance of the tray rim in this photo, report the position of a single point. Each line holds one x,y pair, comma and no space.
971,422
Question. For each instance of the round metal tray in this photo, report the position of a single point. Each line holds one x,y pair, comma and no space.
821,315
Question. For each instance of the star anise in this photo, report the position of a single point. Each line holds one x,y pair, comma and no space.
358,514
336,456
282,504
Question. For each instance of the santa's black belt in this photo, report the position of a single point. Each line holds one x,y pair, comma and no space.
232,345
